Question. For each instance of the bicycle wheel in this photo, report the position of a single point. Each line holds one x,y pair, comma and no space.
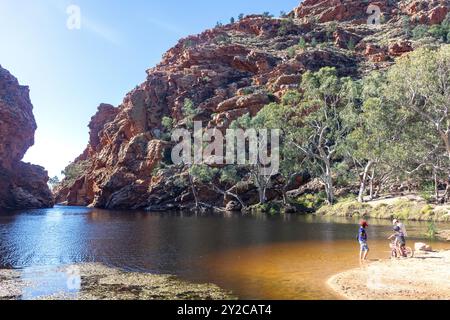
409,252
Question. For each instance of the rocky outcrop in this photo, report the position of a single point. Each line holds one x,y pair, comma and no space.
425,11
358,12
22,185
355,11
225,73
400,48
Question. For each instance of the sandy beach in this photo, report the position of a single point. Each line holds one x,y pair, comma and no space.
425,277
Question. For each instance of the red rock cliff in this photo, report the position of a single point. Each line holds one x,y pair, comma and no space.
227,72
22,185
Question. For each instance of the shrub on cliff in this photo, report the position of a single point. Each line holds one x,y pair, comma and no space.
74,171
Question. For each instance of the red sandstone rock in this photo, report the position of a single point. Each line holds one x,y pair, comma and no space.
426,12
399,48
340,10
22,185
437,15
226,72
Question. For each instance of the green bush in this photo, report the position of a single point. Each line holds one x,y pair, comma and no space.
271,208
431,230
74,171
291,51
311,201
302,43
420,32
347,208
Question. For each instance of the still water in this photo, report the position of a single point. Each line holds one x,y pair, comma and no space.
261,257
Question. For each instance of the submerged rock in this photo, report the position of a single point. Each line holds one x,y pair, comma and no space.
98,282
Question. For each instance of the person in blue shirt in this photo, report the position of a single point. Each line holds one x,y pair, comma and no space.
362,238
400,241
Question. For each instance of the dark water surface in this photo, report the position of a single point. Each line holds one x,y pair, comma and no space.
256,257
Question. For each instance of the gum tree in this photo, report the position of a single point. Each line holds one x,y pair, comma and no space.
282,116
419,85
322,128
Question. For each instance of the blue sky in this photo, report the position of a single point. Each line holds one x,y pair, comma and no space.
70,72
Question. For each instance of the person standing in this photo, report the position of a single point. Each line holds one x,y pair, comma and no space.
398,223
362,238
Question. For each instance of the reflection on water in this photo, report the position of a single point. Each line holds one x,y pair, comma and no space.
255,257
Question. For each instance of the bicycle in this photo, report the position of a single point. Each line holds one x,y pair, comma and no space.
401,252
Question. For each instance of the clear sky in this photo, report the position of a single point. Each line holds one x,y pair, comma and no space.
70,72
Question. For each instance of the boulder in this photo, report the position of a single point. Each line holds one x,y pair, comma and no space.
419,246
400,48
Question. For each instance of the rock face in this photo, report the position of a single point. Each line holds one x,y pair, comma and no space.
22,185
358,12
355,11
227,72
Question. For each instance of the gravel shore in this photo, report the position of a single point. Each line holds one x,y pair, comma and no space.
98,282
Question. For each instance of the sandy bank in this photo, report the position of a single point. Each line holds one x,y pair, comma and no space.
425,277
98,282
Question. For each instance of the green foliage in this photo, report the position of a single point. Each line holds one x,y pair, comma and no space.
167,123
272,208
440,32
313,42
401,209
248,90
291,98
189,43
302,43
241,16
74,171
285,27
431,230
420,31
222,39
427,191
206,174
54,182
345,209
291,51
232,20
311,201
406,26
189,113
351,44
335,128
181,182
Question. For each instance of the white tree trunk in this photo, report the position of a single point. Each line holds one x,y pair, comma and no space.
362,188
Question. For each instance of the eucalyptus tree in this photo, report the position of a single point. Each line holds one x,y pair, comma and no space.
283,116
419,85
372,146
323,129
220,180
255,129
